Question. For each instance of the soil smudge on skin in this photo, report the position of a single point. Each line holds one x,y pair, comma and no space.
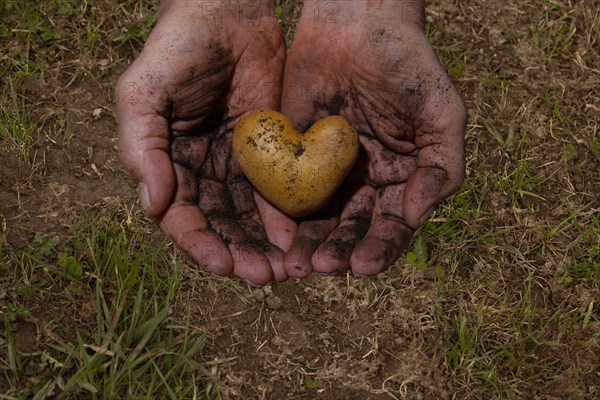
332,104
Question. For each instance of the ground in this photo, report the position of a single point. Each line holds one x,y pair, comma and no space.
498,296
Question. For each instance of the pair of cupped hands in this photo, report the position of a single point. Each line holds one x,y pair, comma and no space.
207,64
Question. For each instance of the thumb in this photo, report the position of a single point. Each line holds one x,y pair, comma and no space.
440,164
144,143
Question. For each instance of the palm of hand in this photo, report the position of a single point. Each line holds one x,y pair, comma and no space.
199,84
390,86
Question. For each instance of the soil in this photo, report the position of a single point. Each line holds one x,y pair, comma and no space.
64,176
321,338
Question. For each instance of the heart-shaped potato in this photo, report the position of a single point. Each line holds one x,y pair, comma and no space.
298,173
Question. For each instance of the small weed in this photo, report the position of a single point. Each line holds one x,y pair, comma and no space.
552,35
418,257
506,141
455,61
582,228
287,13
17,127
138,31
594,146
464,353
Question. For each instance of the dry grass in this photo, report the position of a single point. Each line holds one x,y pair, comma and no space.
497,298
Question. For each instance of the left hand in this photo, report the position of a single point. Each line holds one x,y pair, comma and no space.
372,64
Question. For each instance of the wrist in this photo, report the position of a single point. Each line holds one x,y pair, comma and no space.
221,11
380,11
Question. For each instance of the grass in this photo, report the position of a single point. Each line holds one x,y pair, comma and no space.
39,35
18,127
518,291
497,296
104,269
495,346
552,35
134,347
501,327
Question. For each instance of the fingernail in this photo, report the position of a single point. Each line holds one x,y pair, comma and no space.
334,273
254,285
426,215
144,196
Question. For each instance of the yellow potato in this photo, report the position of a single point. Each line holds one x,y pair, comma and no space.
298,173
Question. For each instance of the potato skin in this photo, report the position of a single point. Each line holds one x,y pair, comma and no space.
298,173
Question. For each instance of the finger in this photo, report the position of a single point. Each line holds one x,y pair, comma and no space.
144,145
311,233
252,222
249,219
275,256
249,260
192,234
243,235
334,254
387,236
250,265
256,259
190,230
281,229
440,159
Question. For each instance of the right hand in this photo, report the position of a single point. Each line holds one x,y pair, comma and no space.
202,68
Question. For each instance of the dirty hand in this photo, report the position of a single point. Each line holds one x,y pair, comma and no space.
205,64
370,62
